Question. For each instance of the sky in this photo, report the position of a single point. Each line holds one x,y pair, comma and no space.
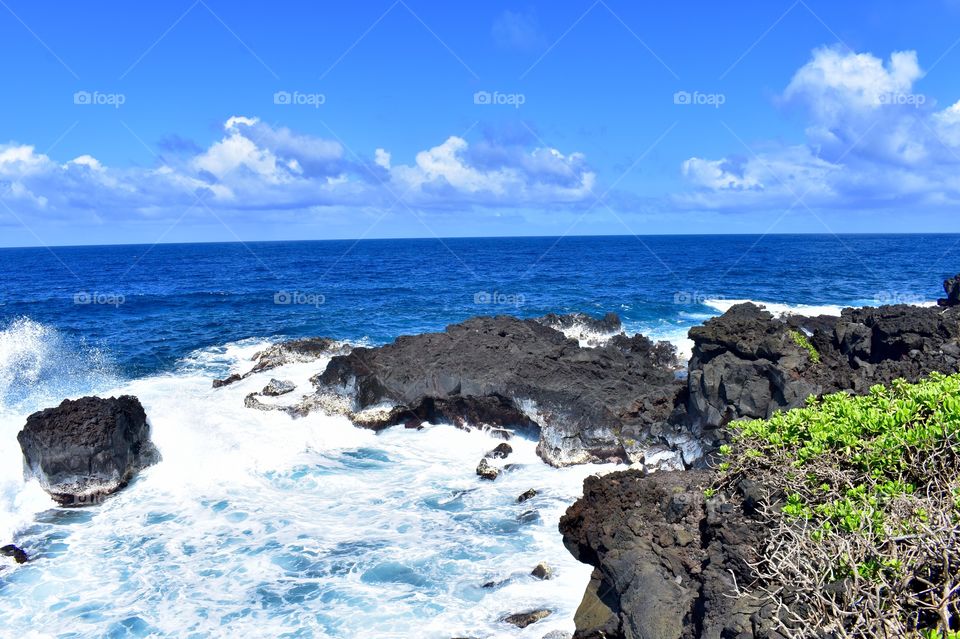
206,120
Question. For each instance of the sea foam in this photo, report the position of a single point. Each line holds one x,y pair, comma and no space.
256,524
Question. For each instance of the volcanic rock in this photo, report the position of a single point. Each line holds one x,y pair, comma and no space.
511,373
88,448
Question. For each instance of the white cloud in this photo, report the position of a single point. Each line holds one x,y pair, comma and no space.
257,167
872,141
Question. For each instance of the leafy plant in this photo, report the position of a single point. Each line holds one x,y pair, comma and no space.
801,340
865,491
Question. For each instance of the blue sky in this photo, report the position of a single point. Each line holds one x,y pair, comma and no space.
207,120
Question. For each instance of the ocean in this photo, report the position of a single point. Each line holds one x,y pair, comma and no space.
259,525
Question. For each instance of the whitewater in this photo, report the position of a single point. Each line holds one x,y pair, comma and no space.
258,525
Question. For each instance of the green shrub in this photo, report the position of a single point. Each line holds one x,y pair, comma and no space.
865,490
801,340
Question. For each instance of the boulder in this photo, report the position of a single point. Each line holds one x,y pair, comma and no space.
17,553
278,387
542,571
87,448
527,494
524,619
746,364
502,451
951,287
584,403
486,471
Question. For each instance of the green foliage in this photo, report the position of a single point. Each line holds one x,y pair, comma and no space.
868,434
801,340
868,489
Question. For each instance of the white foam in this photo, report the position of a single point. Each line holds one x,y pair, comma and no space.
587,337
255,524
784,310
778,309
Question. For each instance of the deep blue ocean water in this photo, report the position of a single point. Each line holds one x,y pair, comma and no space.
151,306
258,525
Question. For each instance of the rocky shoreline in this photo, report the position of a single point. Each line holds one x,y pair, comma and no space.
667,562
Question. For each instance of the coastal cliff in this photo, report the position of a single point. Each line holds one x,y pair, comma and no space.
702,553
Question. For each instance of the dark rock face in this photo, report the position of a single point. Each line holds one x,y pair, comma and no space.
17,553
88,448
745,364
587,403
748,364
300,350
952,288
668,564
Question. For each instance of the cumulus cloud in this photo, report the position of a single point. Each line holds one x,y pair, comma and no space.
258,167
872,141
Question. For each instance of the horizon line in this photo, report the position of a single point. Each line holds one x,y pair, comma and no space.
481,237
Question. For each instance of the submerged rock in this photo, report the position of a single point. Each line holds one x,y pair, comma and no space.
524,619
17,553
527,494
88,448
512,373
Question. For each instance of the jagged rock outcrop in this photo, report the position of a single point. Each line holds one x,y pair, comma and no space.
613,402
299,350
748,364
951,287
668,563
87,448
